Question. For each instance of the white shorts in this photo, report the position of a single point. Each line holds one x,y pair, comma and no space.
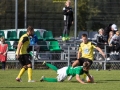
61,74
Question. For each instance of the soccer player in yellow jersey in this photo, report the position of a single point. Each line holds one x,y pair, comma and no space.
23,56
85,52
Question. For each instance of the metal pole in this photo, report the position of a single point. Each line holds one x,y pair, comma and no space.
68,55
25,16
16,15
105,58
33,62
75,22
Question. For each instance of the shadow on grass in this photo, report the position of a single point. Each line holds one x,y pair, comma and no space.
101,81
106,81
110,80
16,87
74,81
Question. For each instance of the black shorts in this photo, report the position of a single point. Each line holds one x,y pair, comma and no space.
82,60
24,59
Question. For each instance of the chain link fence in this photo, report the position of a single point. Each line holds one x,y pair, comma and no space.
64,58
46,14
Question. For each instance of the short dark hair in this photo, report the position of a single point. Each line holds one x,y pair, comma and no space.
30,28
86,64
84,35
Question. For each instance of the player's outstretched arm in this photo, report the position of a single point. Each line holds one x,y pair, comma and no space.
79,80
70,77
78,55
101,52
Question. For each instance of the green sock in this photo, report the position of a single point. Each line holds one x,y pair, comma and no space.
50,79
52,67
66,35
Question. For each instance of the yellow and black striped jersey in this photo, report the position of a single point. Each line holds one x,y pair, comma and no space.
26,41
87,50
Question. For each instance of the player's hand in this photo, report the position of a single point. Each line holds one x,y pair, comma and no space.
72,22
4,54
104,55
110,45
68,10
17,56
70,77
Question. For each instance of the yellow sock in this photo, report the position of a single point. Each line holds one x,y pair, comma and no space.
21,73
84,76
29,73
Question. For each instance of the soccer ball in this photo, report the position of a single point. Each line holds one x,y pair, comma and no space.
88,80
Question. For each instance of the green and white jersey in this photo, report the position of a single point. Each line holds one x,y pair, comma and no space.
74,71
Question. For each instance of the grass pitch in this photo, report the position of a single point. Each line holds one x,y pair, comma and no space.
105,80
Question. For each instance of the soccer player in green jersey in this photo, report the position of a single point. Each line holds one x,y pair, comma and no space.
67,71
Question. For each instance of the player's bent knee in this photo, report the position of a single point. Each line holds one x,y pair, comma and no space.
29,66
75,63
25,67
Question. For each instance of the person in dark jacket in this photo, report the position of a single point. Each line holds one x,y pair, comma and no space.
101,39
102,42
68,20
110,27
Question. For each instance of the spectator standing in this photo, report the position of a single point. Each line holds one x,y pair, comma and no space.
68,20
3,52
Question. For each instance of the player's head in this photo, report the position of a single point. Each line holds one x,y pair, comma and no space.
30,30
118,33
67,3
84,38
111,33
2,39
101,31
86,66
